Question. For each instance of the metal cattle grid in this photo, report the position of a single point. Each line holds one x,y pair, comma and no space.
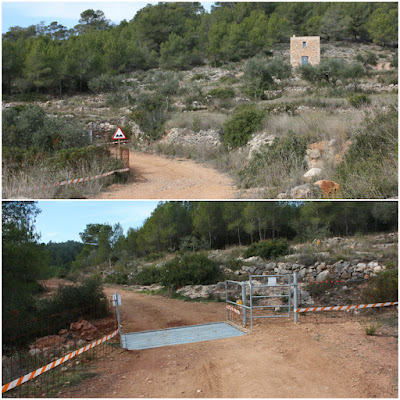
179,335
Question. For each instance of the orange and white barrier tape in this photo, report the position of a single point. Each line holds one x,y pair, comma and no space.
233,309
344,308
56,363
88,178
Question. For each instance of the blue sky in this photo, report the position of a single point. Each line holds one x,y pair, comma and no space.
62,220
67,13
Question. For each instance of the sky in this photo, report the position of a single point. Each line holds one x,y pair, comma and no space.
67,13
62,220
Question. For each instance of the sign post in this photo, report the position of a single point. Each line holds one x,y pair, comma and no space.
117,302
118,135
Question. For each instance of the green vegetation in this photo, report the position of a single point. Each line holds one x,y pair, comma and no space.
370,167
52,59
189,269
87,297
243,123
273,165
383,287
20,243
358,100
268,249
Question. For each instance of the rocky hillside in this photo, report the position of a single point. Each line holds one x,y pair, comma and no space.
198,103
350,261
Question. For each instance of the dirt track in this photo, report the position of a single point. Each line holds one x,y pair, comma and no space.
279,359
157,177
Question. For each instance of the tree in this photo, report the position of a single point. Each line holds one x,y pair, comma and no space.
232,213
92,20
383,24
257,77
24,260
207,220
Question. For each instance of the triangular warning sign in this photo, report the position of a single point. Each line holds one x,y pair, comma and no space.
119,134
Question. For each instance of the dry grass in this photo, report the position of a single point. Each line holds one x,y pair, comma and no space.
196,121
27,183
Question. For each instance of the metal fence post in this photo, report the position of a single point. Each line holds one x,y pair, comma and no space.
295,297
118,318
244,303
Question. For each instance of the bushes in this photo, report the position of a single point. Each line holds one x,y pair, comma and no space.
268,249
147,276
30,127
190,269
330,71
243,123
358,100
87,297
222,93
383,287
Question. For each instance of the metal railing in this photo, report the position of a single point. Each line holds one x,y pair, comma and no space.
248,298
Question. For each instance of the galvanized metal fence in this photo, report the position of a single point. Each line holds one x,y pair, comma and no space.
278,296
262,296
34,343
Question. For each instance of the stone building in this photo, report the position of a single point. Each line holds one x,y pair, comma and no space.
304,50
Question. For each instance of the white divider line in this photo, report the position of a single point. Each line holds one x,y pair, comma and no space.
355,307
48,367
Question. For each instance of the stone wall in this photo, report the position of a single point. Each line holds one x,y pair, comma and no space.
312,49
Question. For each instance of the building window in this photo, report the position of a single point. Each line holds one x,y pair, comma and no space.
304,45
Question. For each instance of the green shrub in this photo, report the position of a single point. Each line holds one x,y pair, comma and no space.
358,100
244,122
383,287
105,83
151,113
198,77
268,249
222,93
370,330
257,77
190,269
192,243
147,276
88,297
119,277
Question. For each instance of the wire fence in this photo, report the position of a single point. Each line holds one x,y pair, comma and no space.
329,293
32,344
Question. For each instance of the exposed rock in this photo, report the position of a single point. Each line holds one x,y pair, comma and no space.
34,352
312,173
85,330
322,275
329,188
300,192
258,140
187,137
47,341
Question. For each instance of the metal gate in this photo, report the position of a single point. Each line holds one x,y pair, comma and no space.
262,296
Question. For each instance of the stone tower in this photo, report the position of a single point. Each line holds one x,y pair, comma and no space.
304,50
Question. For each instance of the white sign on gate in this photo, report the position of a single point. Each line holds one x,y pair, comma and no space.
272,281
115,297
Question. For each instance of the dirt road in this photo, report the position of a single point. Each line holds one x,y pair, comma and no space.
279,359
157,177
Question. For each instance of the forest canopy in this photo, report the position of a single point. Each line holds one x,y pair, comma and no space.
54,59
